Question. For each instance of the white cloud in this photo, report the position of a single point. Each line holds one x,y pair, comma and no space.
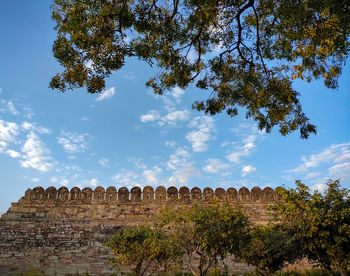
138,163
64,182
244,129
53,180
127,178
8,131
104,162
3,146
215,166
341,171
0,90
74,168
334,162
150,116
12,108
172,115
177,93
313,175
152,176
242,150
299,169
202,135
85,118
33,126
73,142
170,144
35,179
94,182
13,153
247,169
171,118
183,176
321,186
178,159
28,112
106,94
334,154
224,144
8,106
35,154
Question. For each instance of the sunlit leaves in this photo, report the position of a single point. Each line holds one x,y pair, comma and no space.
320,221
244,53
143,249
206,232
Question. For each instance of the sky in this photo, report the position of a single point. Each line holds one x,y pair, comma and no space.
127,136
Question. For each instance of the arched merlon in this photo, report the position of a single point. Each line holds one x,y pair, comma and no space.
149,194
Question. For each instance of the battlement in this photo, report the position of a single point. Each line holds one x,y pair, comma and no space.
148,194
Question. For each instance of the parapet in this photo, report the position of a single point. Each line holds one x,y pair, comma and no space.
148,194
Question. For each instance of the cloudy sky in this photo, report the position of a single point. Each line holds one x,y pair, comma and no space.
127,136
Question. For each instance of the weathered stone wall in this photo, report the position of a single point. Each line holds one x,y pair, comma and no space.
62,232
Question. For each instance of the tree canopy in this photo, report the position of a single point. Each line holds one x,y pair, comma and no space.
206,233
142,249
320,222
270,249
244,53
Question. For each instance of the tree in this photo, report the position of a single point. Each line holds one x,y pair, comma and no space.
320,221
270,249
142,249
206,233
245,53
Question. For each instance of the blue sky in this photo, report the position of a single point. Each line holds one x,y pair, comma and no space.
127,136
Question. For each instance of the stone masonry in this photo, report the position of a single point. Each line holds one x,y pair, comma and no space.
61,232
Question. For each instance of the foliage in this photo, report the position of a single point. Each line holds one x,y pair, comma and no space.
320,221
29,273
245,53
206,232
142,248
269,249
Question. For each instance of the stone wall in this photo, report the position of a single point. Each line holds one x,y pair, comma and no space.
62,232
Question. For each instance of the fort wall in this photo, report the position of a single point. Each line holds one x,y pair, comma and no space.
62,231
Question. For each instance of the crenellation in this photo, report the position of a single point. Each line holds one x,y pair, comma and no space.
123,194
184,194
244,194
38,193
51,193
62,194
220,194
269,194
160,194
99,194
75,194
148,194
172,194
136,194
256,194
231,194
196,194
86,194
208,194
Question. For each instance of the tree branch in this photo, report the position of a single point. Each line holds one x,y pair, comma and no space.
258,41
